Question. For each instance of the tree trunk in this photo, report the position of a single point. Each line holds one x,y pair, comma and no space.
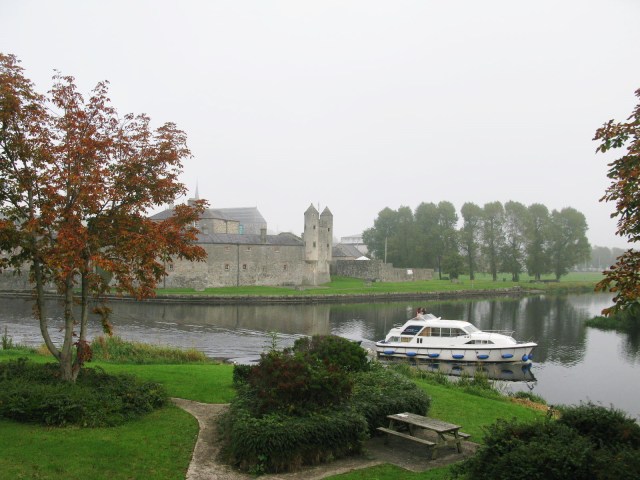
66,353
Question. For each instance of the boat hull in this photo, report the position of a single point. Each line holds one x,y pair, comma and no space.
519,353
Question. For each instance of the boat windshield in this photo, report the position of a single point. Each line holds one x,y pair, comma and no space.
470,329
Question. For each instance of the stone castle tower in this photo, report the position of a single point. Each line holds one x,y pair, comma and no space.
318,244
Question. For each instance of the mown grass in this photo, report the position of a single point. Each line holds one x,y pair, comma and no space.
355,286
159,445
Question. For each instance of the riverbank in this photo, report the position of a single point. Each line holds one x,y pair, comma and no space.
353,290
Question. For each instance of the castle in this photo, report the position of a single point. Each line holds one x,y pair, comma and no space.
239,251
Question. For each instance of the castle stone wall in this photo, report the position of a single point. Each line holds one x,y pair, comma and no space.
377,270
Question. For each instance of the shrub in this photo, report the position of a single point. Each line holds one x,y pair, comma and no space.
541,450
605,427
381,392
333,350
279,443
241,374
34,393
115,349
283,382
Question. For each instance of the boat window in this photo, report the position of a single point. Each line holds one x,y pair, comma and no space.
411,330
435,332
426,332
456,332
479,342
394,339
471,329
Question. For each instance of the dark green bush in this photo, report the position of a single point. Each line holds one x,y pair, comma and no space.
34,393
545,450
381,392
280,443
605,427
292,384
241,374
334,350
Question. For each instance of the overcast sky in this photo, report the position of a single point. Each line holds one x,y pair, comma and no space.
359,105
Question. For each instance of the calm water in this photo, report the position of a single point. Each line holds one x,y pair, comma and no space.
571,364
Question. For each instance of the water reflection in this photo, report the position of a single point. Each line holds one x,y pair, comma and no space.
554,322
493,371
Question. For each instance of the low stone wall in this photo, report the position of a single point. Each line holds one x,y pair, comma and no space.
377,270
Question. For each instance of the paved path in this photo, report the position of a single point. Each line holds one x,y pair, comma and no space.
204,466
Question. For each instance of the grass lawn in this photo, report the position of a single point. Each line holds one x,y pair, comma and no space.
355,286
159,445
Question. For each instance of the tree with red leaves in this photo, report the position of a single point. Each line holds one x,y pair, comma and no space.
76,185
623,278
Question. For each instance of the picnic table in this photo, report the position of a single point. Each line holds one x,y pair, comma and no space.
448,434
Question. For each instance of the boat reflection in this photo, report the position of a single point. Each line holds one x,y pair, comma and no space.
516,372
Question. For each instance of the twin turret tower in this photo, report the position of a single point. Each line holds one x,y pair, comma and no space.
318,243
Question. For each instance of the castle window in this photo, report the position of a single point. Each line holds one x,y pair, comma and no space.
277,250
248,249
314,227
285,267
244,266
171,267
240,229
314,244
226,267
227,248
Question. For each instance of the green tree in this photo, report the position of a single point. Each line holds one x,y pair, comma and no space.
76,184
492,235
568,244
536,229
470,235
426,221
622,278
448,252
393,237
515,215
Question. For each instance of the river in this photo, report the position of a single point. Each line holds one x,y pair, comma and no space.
572,363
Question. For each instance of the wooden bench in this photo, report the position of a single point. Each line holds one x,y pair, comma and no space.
463,435
404,435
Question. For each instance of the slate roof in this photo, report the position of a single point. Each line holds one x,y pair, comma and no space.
244,215
345,250
208,214
283,239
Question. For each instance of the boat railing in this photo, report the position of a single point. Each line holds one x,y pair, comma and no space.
508,333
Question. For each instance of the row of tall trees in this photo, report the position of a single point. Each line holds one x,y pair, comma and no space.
496,237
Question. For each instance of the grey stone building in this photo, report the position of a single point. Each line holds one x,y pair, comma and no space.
236,256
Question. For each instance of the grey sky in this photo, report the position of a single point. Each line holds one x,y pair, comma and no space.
359,105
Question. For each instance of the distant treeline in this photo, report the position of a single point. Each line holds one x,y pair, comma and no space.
511,238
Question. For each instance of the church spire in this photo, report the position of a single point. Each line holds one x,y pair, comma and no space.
197,194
